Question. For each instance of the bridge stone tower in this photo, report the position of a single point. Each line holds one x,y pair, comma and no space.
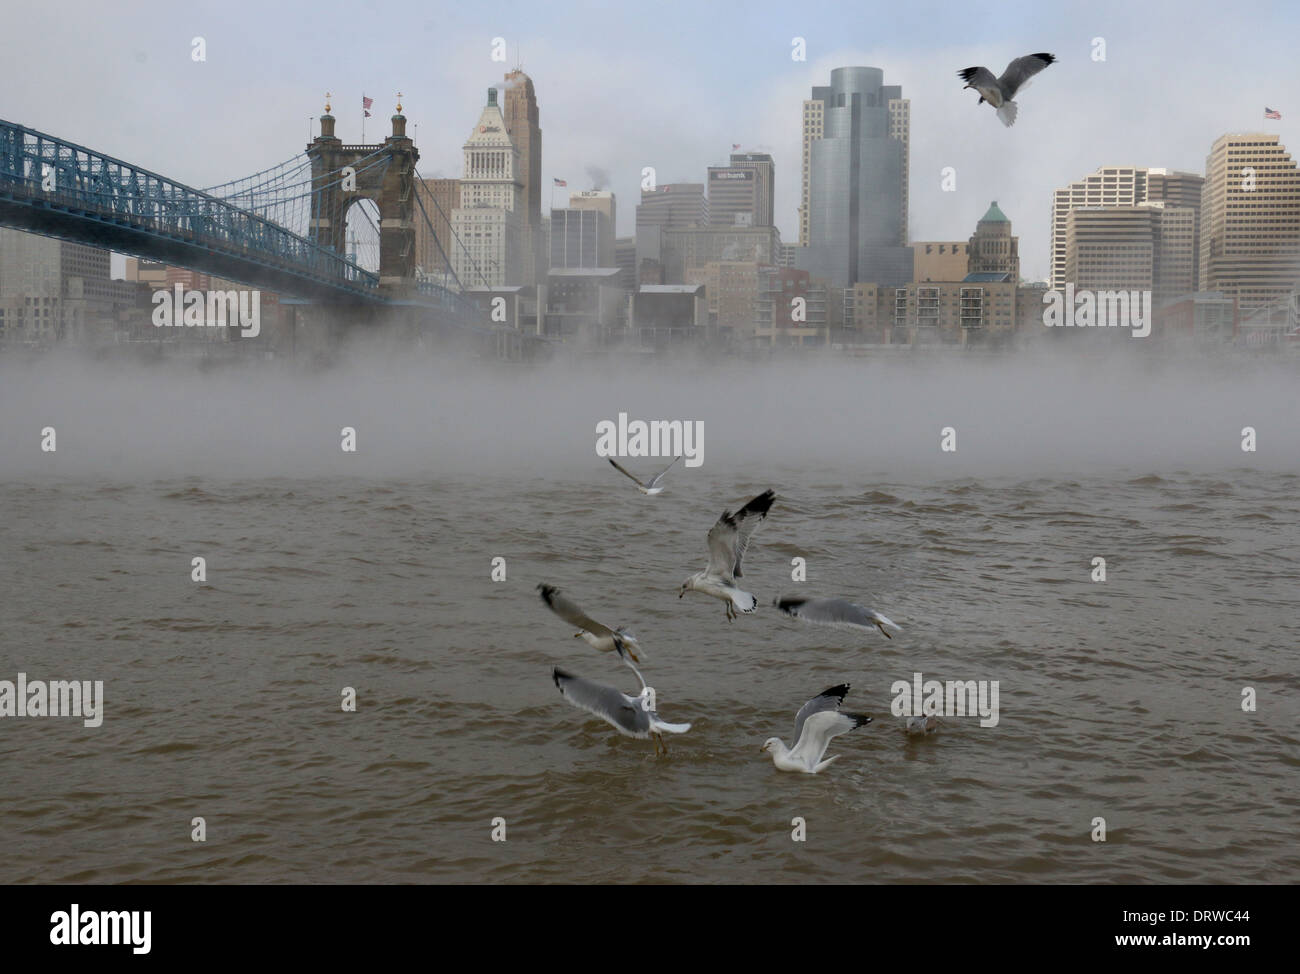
391,187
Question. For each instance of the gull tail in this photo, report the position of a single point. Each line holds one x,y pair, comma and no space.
882,621
1007,112
659,725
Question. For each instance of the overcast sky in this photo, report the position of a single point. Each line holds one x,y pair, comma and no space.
664,84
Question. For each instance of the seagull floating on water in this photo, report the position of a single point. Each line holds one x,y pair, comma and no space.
923,724
596,634
998,92
834,612
650,486
728,540
631,716
816,723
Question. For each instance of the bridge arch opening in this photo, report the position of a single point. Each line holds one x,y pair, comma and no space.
361,233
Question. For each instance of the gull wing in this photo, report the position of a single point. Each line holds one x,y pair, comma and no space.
568,610
978,77
828,699
1021,70
818,730
621,648
729,537
833,612
626,474
603,701
654,482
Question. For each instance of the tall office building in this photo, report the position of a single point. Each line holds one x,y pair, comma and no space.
1182,190
625,259
669,206
742,194
676,205
1108,186
54,290
992,248
1147,247
814,129
581,238
602,201
488,221
1250,220
1130,186
1110,248
853,221
434,244
523,125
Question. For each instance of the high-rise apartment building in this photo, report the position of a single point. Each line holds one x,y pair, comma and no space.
853,219
1250,221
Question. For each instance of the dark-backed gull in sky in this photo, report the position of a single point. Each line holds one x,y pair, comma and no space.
998,92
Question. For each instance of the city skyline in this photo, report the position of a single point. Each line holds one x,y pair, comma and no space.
135,92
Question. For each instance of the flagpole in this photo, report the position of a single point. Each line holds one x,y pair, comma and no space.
363,118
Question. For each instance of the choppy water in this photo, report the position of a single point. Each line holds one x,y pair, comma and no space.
1119,700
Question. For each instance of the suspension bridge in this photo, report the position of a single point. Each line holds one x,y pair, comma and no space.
282,229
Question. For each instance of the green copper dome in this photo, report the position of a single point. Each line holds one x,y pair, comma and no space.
994,215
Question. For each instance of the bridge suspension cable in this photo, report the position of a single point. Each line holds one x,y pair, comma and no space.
455,236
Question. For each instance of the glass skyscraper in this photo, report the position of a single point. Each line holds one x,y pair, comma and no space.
856,168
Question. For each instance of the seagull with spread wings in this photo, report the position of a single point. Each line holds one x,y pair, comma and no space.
650,486
998,92
816,723
596,634
840,613
631,716
728,540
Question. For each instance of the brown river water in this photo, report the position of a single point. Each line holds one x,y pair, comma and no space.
1119,699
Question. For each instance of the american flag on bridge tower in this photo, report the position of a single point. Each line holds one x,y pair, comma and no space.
1269,113
365,105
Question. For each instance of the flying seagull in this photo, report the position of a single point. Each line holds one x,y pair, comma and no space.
834,612
650,486
728,540
597,635
816,723
632,716
998,92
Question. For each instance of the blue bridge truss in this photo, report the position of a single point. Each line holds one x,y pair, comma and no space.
59,189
